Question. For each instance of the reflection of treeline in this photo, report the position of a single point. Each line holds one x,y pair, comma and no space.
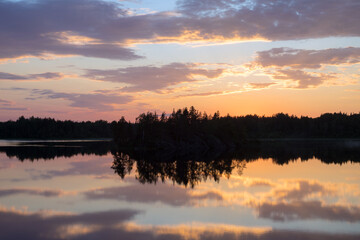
189,128
283,152
189,169
48,128
51,150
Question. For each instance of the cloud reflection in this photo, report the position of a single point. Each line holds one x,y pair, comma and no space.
23,225
38,192
305,210
114,225
164,193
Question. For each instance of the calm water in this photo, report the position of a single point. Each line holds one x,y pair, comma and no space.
88,190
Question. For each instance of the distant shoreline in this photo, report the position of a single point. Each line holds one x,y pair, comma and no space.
188,128
56,140
303,139
111,139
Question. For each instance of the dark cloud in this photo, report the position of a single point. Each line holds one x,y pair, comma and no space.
9,76
303,210
274,19
153,78
5,102
95,28
300,58
37,192
8,106
40,76
171,195
203,8
39,28
96,101
13,108
112,225
203,94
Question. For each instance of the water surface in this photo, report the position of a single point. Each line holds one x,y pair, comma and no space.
90,190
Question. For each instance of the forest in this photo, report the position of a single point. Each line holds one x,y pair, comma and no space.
190,129
187,128
48,128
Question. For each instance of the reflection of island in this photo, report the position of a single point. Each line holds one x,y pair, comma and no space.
181,170
191,168
49,150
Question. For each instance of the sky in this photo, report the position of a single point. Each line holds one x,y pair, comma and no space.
103,59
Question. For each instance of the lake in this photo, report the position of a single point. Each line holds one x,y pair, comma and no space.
287,189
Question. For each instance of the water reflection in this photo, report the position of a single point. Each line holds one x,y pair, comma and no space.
46,150
182,171
327,151
285,151
114,225
189,169
261,191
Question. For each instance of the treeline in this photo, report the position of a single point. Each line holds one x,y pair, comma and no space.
48,128
189,128
185,129
328,125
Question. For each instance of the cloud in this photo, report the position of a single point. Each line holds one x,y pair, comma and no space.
294,65
302,78
104,29
94,101
151,78
9,106
203,94
260,85
5,102
171,195
62,27
38,192
273,20
300,58
40,76
202,8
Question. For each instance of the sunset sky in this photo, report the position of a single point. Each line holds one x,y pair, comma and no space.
103,59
